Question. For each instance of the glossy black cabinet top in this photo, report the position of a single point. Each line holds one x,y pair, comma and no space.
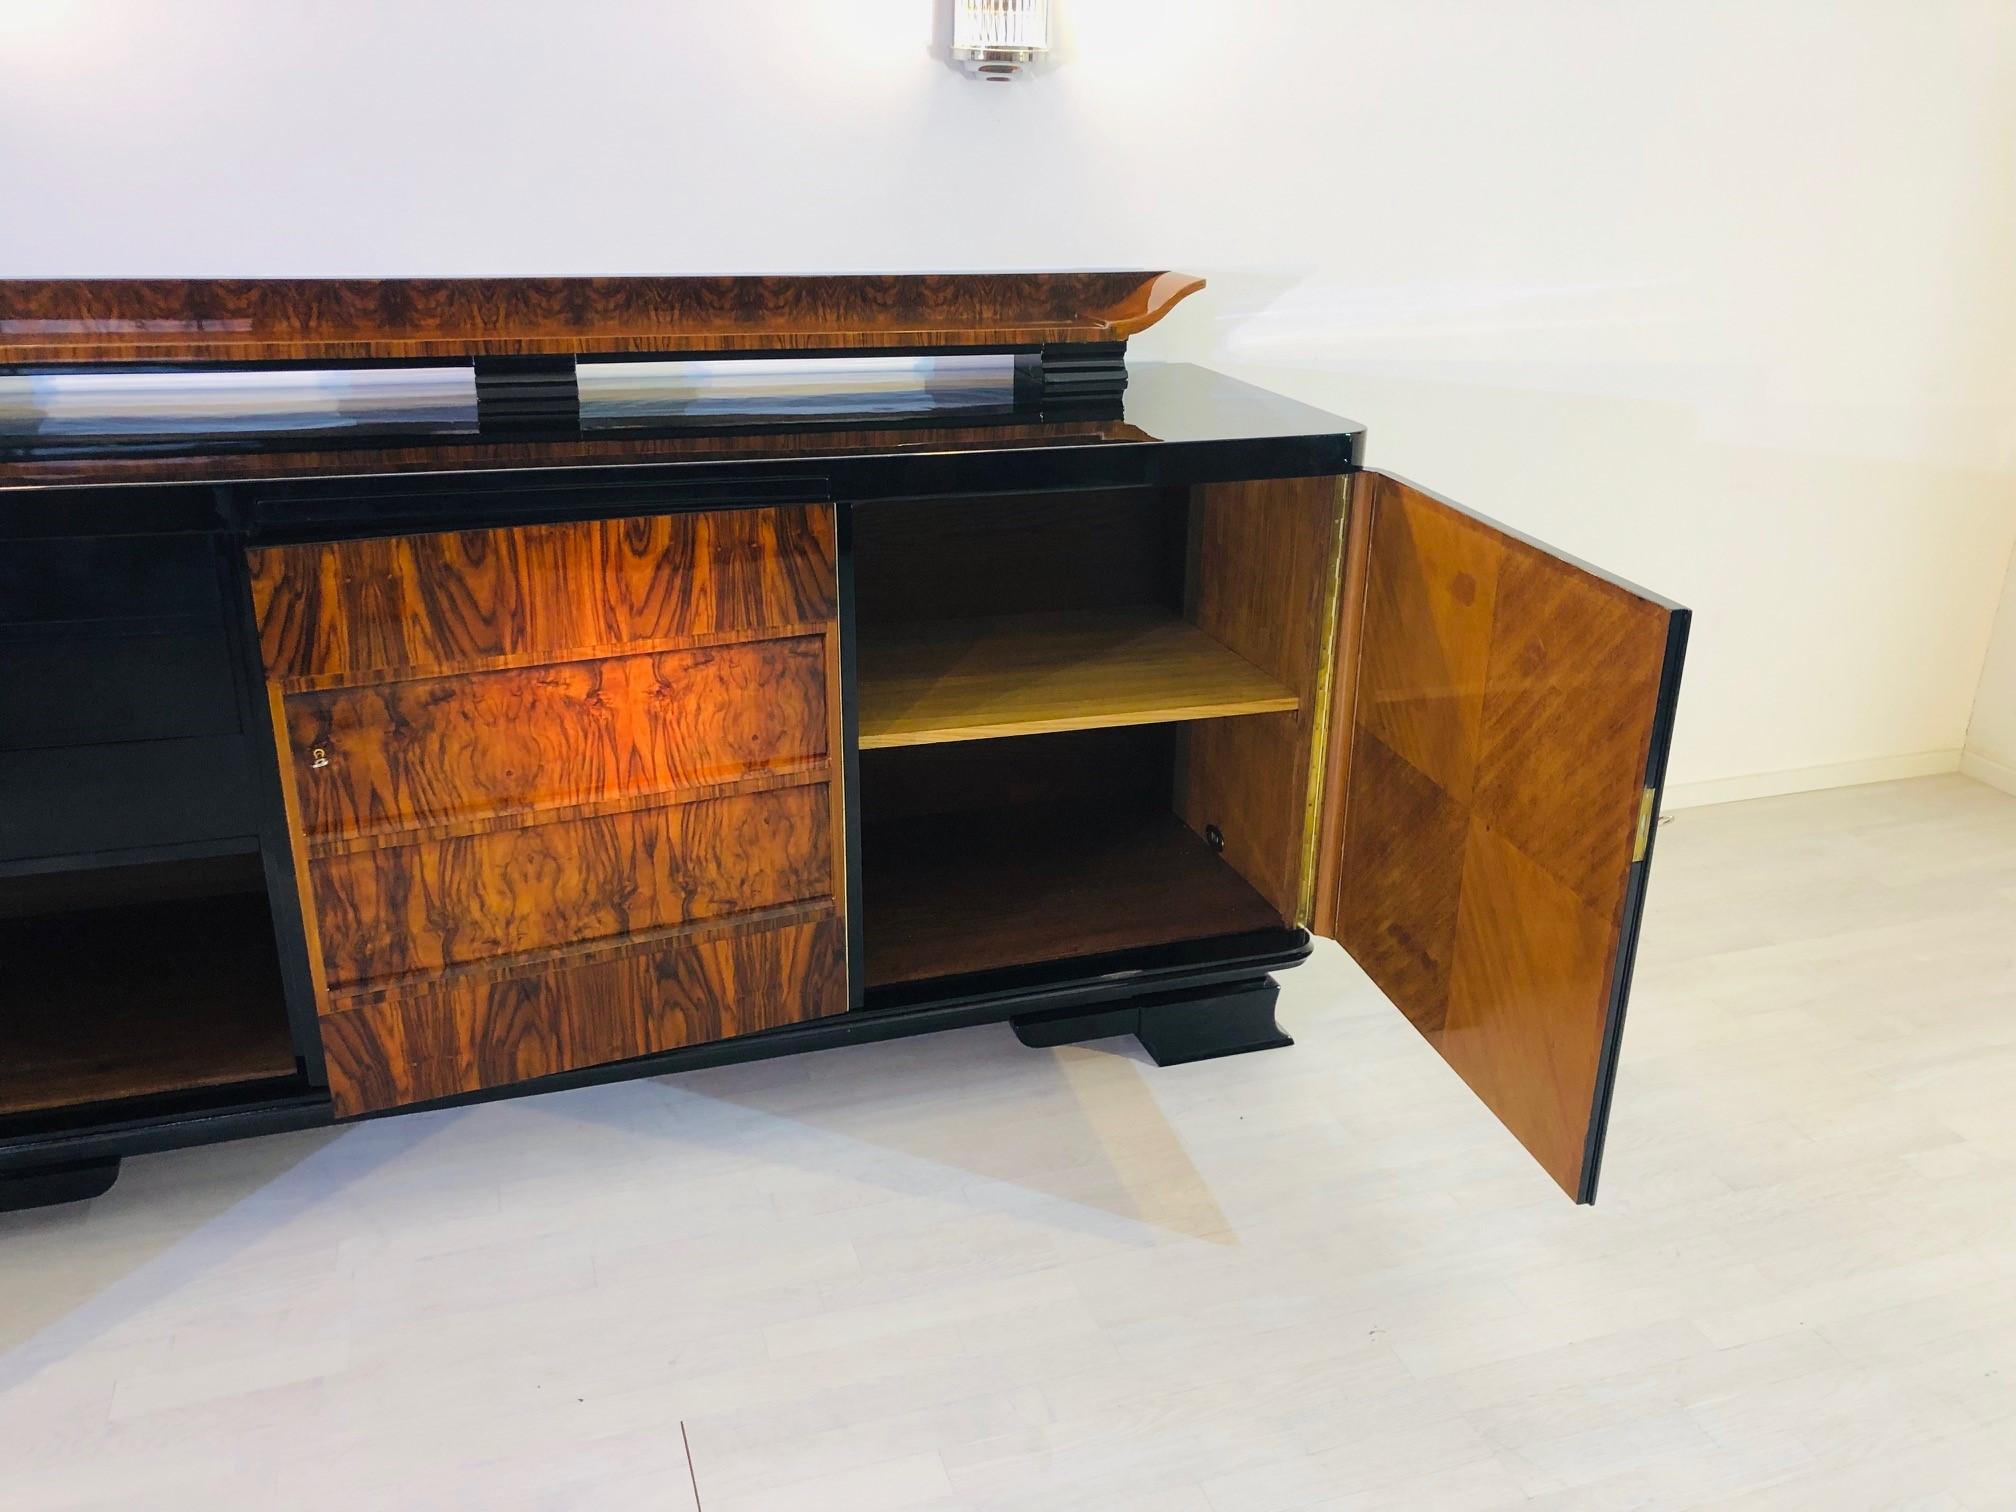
1176,423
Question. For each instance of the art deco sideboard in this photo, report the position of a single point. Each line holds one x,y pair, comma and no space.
419,691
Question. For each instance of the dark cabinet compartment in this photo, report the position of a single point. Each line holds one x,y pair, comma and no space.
993,854
120,723
134,981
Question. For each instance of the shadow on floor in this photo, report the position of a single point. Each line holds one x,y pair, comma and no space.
1079,1125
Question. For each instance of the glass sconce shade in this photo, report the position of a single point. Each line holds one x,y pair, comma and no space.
997,39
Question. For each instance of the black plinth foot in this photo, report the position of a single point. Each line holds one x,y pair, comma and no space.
1225,1021
1076,1028
1175,1027
54,1184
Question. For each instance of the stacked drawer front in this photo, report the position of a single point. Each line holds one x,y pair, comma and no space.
560,794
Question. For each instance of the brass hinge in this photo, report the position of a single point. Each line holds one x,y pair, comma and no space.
1643,840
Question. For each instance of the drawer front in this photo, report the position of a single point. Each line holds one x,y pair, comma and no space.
559,794
468,1033
443,750
361,611
393,913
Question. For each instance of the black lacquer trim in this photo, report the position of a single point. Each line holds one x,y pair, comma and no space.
276,852
46,1186
1086,373
850,753
1175,1028
280,515
526,393
1211,1024
146,1125
1677,626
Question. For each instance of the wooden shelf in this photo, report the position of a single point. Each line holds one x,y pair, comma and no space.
975,891
946,680
156,997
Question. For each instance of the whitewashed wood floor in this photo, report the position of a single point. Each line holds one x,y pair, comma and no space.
955,1273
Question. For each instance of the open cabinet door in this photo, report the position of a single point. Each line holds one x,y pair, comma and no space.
1497,744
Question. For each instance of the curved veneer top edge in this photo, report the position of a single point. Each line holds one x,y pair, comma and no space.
104,321
1156,298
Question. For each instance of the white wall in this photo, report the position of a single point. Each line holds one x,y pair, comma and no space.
1991,734
1717,293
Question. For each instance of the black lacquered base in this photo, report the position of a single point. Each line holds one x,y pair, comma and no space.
1176,1028
53,1184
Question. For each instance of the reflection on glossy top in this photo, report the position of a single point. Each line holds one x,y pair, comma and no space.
229,404
1166,405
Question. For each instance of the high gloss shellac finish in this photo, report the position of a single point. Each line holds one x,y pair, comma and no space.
558,716
81,321
561,794
1174,417
1501,724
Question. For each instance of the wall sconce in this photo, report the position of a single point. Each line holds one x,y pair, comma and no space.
997,39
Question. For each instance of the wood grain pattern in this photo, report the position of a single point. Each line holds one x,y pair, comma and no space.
1500,729
517,758
1031,674
434,750
367,609
1262,558
466,1035
347,319
397,911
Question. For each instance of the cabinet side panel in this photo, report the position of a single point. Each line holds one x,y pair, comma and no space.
1263,559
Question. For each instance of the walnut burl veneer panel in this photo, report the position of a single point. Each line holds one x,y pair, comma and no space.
559,794
467,1034
347,319
394,912
349,610
1500,725
482,745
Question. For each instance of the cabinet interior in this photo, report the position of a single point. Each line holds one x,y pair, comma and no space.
1085,719
138,980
